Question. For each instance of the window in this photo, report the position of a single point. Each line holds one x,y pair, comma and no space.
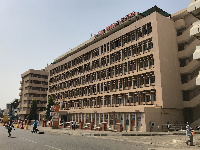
135,99
153,79
154,97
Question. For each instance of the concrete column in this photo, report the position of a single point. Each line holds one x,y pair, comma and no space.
85,118
124,121
103,101
129,121
103,117
93,102
108,119
81,117
135,127
65,105
91,117
75,117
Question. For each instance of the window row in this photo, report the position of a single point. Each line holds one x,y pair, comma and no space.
122,40
133,82
147,97
111,72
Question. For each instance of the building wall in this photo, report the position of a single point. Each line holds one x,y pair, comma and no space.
34,85
168,63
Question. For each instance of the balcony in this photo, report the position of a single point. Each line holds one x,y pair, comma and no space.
194,64
36,78
36,85
35,91
190,85
189,50
25,105
36,98
192,103
41,105
185,37
195,31
196,54
198,79
24,112
194,8
180,24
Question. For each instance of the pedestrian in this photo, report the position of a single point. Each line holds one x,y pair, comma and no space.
9,127
74,125
34,127
190,134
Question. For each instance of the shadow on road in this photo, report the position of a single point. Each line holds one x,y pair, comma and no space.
13,137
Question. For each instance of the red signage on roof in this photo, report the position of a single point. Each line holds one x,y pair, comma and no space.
115,24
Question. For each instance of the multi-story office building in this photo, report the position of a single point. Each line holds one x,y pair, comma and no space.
192,66
34,86
138,72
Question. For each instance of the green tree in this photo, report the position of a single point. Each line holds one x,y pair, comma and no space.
14,105
33,111
50,103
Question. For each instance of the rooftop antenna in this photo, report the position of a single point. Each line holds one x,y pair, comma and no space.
91,33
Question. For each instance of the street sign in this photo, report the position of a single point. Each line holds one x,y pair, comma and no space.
54,114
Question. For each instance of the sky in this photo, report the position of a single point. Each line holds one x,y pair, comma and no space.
35,32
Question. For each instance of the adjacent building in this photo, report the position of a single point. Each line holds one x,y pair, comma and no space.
34,86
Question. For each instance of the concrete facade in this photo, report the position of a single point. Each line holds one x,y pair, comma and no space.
34,85
141,73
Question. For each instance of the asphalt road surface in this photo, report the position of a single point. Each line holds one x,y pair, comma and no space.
25,140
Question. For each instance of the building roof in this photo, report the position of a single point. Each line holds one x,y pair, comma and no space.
153,9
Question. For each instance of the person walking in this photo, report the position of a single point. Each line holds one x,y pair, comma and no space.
190,134
34,127
74,125
9,127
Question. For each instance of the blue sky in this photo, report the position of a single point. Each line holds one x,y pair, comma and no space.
35,32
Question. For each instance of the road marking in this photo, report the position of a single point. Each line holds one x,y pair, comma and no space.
36,143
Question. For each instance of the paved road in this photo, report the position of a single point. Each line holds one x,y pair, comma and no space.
25,140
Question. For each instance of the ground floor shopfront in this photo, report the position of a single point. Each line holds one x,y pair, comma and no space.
137,118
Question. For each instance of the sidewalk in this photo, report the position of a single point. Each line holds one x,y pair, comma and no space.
106,133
